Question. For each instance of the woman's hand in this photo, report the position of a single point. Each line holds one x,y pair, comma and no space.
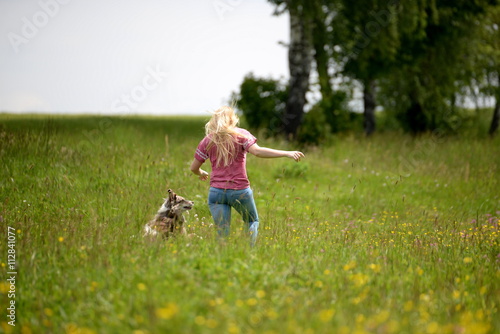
295,155
203,175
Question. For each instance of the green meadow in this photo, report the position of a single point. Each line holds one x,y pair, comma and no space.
390,234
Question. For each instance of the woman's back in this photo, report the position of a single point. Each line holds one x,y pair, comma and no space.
233,175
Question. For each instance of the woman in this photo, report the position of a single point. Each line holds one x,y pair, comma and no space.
226,146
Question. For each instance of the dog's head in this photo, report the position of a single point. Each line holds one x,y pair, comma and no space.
175,204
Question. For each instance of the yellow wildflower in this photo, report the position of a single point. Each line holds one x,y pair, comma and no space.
251,301
211,323
233,329
200,320
350,265
408,306
167,312
375,267
326,315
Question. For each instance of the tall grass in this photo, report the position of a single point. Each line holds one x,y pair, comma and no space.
390,234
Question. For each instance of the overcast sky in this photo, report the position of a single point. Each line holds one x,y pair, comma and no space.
134,57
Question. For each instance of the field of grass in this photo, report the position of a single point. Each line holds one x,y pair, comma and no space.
390,234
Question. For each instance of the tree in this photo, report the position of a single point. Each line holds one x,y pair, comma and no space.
312,42
495,120
321,12
412,57
329,31
299,61
370,45
487,62
435,36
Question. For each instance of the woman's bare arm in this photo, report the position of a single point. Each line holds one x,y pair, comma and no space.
195,168
264,152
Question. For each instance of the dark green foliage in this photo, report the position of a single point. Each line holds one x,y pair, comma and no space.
262,103
314,129
337,114
432,66
421,57
326,118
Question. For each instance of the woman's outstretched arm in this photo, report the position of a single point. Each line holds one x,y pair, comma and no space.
264,152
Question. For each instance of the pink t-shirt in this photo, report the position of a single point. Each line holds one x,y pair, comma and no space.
233,176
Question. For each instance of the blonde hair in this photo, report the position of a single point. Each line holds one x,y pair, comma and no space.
222,131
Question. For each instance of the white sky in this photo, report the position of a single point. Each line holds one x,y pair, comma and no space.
132,56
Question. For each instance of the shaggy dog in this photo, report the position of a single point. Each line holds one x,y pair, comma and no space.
169,220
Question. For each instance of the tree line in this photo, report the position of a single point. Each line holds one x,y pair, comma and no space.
419,60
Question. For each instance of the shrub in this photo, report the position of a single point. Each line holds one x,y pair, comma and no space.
314,129
262,103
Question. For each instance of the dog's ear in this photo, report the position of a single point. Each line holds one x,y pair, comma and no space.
171,195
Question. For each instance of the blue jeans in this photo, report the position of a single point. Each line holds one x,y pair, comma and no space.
220,202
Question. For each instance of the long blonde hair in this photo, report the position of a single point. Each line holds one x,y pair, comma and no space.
222,131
